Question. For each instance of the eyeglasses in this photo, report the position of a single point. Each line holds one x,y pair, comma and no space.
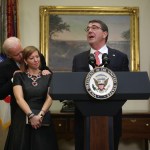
94,28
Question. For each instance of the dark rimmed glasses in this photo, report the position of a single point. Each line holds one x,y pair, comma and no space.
94,28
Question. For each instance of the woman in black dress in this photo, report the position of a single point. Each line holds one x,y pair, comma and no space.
31,90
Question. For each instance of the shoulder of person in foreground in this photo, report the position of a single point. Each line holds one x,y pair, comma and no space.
118,52
82,54
17,77
6,62
121,59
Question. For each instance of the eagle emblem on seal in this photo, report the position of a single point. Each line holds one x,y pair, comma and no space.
101,83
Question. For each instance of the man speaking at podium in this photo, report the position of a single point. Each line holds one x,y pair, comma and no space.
97,36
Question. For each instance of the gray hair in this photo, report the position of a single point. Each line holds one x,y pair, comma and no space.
9,43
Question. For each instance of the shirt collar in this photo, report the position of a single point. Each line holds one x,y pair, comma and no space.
103,50
18,64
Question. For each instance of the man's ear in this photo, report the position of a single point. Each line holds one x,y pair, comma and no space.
105,34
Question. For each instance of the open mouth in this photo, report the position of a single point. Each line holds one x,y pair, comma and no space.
91,37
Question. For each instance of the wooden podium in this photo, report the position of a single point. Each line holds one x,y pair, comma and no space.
99,113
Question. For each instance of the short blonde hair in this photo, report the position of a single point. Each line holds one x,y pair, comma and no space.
10,42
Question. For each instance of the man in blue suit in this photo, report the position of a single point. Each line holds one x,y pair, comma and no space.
97,36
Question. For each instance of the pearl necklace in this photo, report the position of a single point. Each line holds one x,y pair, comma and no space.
34,78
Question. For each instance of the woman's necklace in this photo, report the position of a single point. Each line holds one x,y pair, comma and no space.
34,78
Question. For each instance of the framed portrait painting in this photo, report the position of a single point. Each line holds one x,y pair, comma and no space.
62,33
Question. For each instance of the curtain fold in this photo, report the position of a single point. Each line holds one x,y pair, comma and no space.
9,20
3,26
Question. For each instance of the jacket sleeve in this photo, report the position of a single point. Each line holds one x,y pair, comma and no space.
5,89
5,82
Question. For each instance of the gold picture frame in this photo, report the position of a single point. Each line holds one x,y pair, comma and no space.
125,17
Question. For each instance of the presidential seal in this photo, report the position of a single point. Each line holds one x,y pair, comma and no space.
101,83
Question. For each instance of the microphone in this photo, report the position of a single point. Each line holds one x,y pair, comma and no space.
105,59
92,60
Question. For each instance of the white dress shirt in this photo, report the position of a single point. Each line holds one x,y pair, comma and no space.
103,50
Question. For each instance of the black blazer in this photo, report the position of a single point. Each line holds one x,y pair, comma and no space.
7,68
118,61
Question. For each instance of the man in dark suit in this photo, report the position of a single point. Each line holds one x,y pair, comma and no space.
13,49
97,35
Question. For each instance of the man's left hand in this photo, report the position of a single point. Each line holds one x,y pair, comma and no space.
45,72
